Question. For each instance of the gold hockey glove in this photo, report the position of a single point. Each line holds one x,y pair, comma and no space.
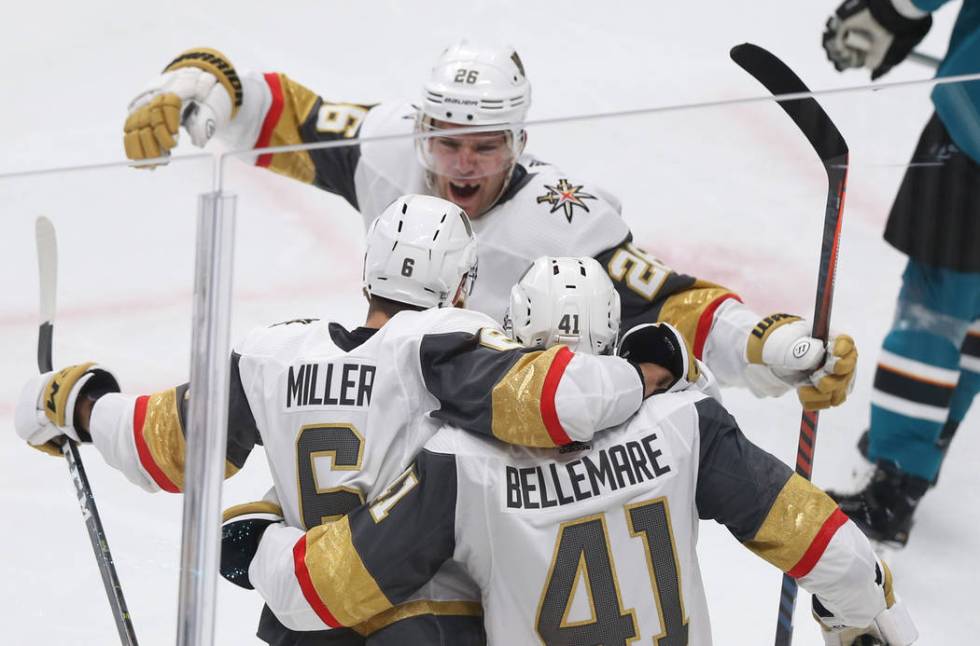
199,89
46,408
783,345
834,381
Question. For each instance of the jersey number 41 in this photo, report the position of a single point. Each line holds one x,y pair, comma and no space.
582,555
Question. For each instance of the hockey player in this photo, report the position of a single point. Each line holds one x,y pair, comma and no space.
594,543
522,208
929,369
341,412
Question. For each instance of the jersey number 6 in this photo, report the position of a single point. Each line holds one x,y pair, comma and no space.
344,447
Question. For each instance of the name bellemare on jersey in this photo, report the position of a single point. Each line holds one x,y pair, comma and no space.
584,544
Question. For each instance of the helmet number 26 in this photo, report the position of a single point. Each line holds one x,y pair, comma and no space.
466,76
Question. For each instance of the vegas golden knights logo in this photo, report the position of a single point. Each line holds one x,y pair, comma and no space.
566,197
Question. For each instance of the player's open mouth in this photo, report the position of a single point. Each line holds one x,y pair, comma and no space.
463,191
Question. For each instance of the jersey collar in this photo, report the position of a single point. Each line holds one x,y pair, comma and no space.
347,340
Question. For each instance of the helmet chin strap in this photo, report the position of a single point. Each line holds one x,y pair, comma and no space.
459,299
510,174
574,342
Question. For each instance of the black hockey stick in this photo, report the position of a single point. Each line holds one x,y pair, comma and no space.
830,146
925,59
47,264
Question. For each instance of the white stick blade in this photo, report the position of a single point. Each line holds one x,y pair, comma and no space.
47,264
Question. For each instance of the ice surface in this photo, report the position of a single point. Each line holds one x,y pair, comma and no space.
733,195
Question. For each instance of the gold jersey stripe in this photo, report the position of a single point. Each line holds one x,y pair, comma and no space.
339,577
887,585
163,435
761,332
230,469
256,507
516,401
794,520
411,609
297,102
684,309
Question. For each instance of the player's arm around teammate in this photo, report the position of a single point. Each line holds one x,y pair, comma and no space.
427,515
342,573
472,374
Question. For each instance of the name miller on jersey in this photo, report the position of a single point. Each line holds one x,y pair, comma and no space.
609,469
352,387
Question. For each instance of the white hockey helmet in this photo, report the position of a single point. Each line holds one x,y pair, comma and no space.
420,251
474,85
565,300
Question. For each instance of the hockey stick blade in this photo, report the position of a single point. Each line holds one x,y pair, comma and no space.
47,264
780,80
830,146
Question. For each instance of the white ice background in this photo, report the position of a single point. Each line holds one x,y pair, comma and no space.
733,195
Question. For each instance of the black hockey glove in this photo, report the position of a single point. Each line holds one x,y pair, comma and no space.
872,34
241,531
662,344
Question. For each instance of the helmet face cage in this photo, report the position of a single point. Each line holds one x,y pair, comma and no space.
565,300
469,156
420,251
472,85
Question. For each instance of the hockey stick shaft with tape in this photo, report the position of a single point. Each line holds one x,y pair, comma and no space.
47,260
830,146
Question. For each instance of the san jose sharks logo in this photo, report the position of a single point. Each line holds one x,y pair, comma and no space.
566,197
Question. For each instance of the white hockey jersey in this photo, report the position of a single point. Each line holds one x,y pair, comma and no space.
543,211
346,411
584,545
341,413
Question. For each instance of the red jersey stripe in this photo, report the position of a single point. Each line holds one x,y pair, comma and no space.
143,451
549,414
704,322
306,585
271,119
819,544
